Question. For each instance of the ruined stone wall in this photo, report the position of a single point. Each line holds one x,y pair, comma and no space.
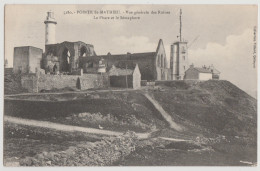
29,82
37,82
21,60
26,59
161,63
35,56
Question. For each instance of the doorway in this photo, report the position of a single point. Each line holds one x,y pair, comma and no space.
65,61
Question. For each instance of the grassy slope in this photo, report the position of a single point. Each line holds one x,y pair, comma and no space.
208,108
124,106
203,107
223,155
215,106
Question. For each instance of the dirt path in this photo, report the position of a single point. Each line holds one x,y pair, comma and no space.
69,92
165,115
174,139
67,128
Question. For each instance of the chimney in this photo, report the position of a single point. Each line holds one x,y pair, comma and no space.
128,55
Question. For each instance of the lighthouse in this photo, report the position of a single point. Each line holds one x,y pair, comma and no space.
50,28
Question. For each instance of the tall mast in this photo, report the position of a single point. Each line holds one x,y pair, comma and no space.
180,24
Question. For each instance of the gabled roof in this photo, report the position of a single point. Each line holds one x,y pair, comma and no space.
143,55
202,70
114,71
215,71
158,46
126,65
129,55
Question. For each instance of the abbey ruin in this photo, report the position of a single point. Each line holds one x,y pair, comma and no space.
70,64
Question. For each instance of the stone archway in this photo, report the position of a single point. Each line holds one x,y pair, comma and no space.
83,51
65,60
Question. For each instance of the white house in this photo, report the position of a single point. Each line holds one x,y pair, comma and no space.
196,73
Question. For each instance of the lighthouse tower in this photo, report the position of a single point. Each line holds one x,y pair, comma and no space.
50,28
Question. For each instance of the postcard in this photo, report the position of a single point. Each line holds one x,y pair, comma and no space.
130,85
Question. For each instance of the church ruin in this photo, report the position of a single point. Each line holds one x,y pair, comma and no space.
78,60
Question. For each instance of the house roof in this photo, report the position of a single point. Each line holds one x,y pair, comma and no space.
202,70
129,55
215,71
114,71
143,55
126,64
159,44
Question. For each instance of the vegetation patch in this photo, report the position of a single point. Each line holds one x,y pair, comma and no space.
97,120
30,146
182,146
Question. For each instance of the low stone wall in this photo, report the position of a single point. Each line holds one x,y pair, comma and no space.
37,82
29,82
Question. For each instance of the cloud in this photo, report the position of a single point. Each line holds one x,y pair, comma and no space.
134,44
234,59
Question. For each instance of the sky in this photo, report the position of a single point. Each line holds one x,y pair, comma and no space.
223,34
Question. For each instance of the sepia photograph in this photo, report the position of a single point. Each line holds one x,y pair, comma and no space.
130,85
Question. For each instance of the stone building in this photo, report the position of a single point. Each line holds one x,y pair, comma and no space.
65,56
215,72
69,58
196,73
179,61
67,62
125,76
153,65
27,59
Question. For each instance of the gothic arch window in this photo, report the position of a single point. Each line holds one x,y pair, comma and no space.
89,65
65,60
162,62
158,61
68,57
183,49
83,51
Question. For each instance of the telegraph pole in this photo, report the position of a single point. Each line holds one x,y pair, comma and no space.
180,24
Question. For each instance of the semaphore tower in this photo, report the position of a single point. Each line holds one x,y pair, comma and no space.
179,62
